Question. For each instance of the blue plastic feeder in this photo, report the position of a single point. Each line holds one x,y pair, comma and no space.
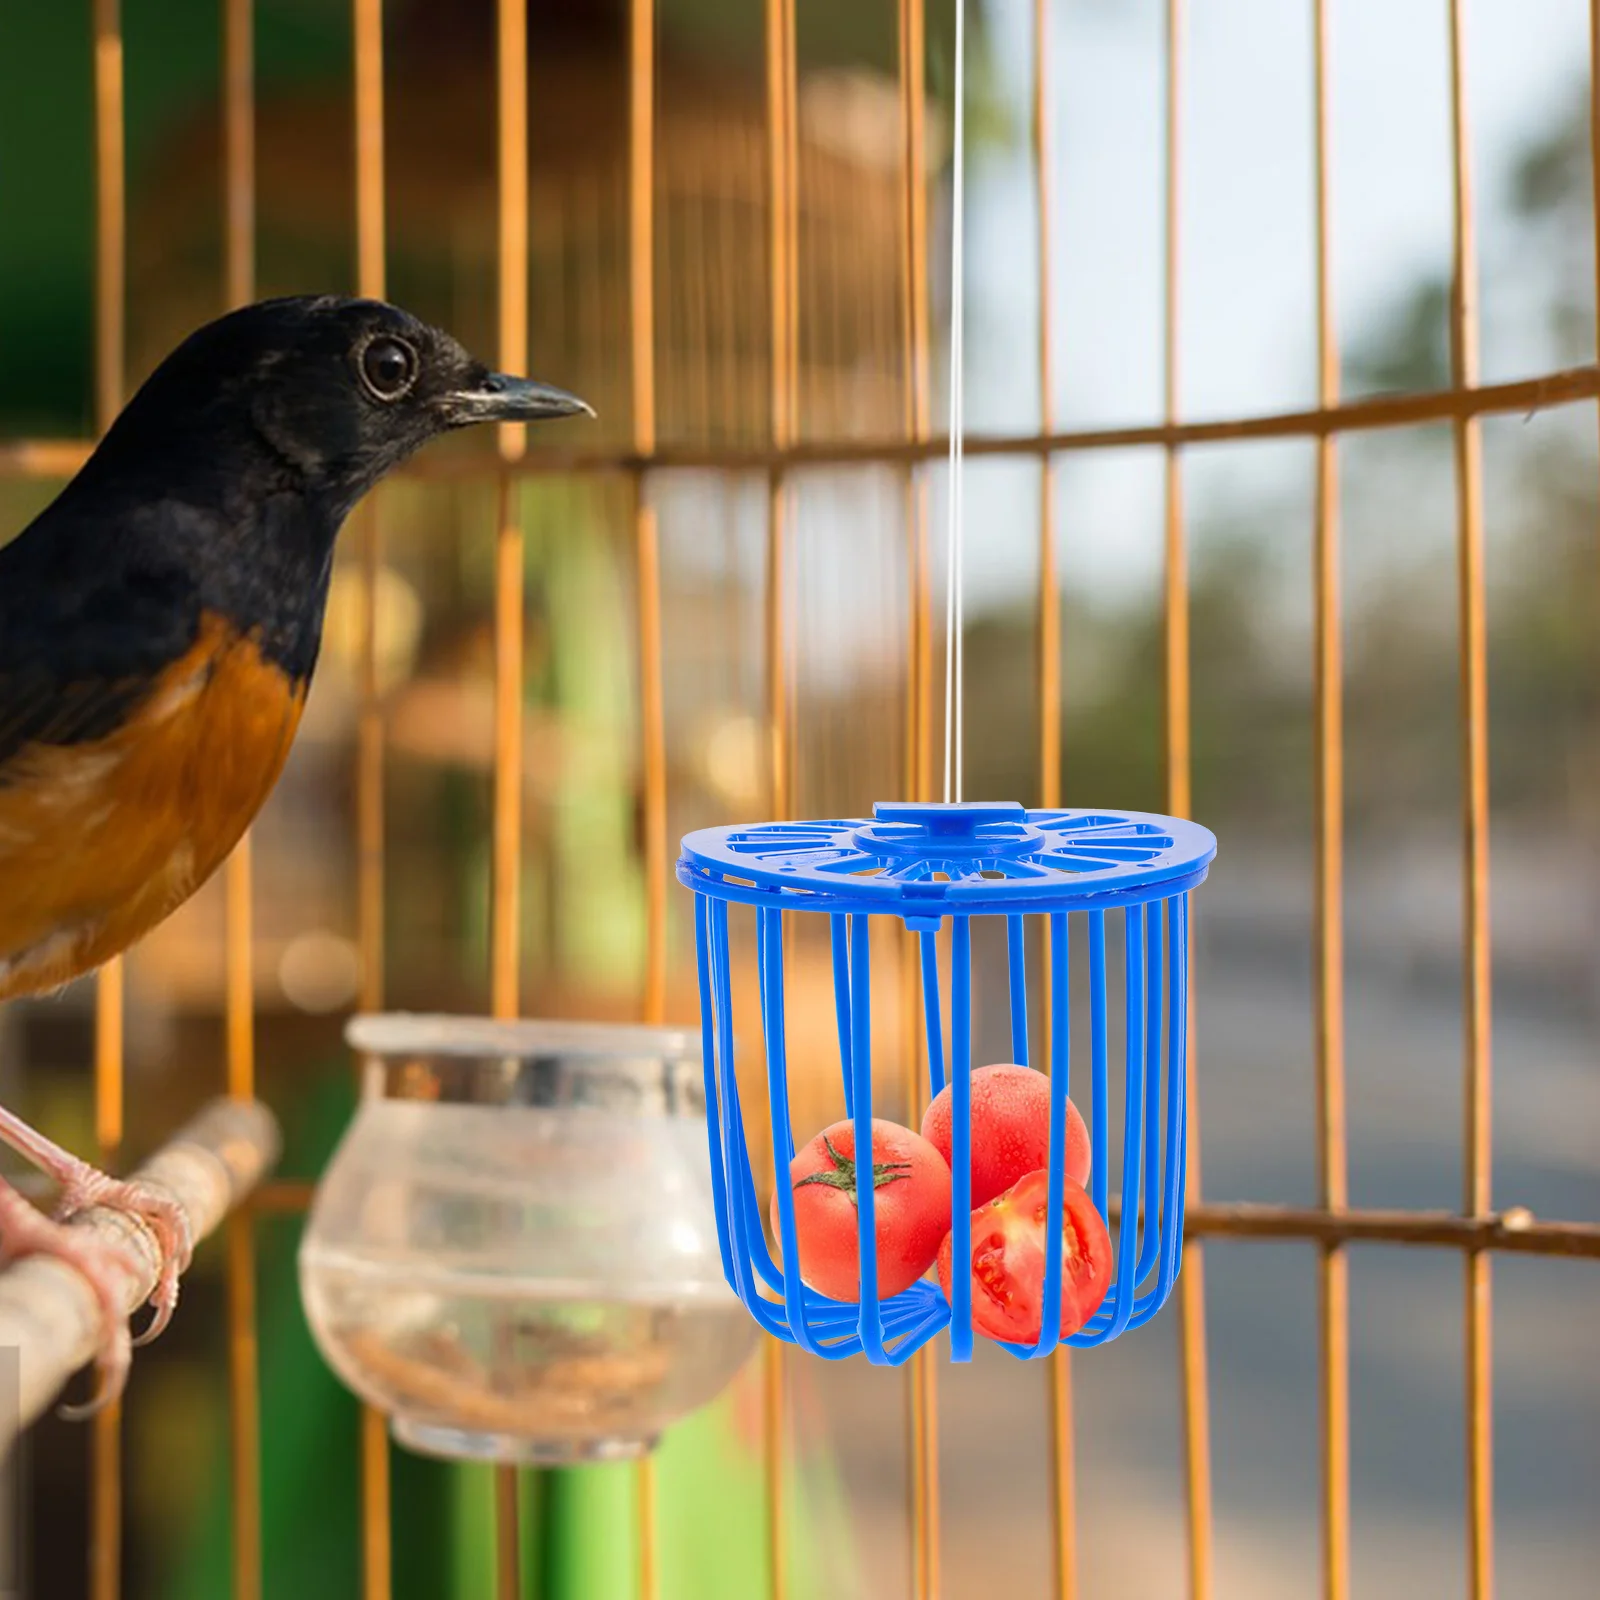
924,864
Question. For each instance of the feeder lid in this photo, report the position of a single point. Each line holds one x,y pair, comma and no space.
924,862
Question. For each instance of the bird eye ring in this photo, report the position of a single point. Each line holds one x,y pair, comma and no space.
388,367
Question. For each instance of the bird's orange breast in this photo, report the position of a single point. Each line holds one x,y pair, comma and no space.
101,840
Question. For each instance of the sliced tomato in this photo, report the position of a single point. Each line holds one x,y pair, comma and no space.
1008,1261
1010,1129
910,1208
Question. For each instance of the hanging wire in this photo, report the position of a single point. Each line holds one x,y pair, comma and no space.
954,607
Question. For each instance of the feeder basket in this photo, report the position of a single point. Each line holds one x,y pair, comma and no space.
924,864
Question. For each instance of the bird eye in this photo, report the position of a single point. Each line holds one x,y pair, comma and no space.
389,367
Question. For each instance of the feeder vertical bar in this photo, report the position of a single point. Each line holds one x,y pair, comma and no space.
505,943
1149,1233
647,543
367,23
1063,1464
1017,968
1328,672
1196,1397
1122,1290
870,1323
1055,1192
244,1395
1099,1122
961,1137
1172,1196
744,1221
838,937
769,942
770,960
1477,1165
110,361
710,1012
932,1011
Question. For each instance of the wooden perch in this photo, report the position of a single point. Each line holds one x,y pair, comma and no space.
49,1315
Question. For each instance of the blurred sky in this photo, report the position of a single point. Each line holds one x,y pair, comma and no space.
1247,305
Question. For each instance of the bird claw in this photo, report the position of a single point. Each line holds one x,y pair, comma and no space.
26,1231
165,1218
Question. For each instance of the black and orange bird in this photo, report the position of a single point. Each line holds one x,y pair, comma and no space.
159,626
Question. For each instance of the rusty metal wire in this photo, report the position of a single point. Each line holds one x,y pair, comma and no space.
110,357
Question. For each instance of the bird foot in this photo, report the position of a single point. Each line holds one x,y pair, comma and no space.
106,1268
85,1186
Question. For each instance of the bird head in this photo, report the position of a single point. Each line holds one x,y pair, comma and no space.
323,395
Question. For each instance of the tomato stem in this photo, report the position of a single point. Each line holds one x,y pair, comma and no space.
843,1175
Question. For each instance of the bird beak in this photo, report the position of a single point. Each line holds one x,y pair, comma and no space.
502,398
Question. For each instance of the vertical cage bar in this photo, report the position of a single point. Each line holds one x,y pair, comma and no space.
1196,1398
922,1395
1475,1199
784,309
1063,1542
505,943
1328,674
110,323
642,366
1594,151
1176,540
1049,622
783,252
238,169
916,376
512,227
367,29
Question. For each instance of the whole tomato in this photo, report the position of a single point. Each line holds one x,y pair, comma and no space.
911,1208
1010,1129
1008,1260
